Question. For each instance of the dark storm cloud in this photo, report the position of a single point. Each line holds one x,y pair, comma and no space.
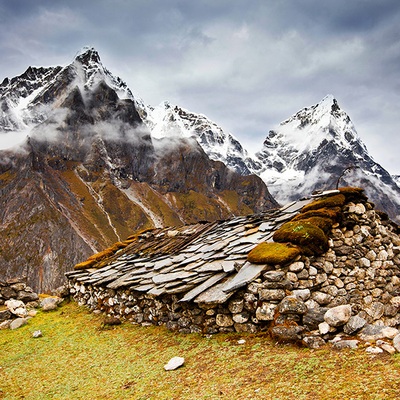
246,65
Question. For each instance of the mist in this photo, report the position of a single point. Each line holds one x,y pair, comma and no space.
13,140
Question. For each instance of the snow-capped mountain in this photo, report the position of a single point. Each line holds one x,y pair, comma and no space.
319,148
30,98
168,121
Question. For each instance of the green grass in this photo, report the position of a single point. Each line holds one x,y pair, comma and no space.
77,359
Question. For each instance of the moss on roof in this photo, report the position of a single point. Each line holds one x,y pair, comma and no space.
273,253
321,222
305,234
337,200
352,190
333,213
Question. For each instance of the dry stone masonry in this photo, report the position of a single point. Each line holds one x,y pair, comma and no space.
317,270
19,303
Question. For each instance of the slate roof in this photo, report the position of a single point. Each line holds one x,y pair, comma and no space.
204,262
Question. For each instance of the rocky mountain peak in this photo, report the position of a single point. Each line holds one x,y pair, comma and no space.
89,68
319,116
88,55
89,72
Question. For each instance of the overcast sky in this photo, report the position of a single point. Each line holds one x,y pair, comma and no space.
247,65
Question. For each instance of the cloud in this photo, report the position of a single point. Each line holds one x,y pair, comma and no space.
246,65
167,145
12,140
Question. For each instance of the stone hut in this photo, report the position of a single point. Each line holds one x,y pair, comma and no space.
313,268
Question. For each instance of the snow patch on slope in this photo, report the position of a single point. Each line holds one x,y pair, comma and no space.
135,197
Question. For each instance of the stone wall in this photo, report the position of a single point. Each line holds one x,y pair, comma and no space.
19,303
16,289
349,288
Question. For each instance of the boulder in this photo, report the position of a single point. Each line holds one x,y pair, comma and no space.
241,318
272,294
374,350
50,303
338,316
246,328
313,317
346,344
372,333
26,296
266,312
236,306
16,307
61,291
396,342
288,333
5,324
323,328
224,320
5,315
313,342
386,346
302,294
18,322
354,324
8,293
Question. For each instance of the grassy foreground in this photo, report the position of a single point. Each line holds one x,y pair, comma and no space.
77,359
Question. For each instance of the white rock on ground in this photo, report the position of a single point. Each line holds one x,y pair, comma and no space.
373,350
174,363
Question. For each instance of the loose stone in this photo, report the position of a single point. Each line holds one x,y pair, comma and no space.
346,344
396,342
174,363
18,322
374,350
313,342
50,303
